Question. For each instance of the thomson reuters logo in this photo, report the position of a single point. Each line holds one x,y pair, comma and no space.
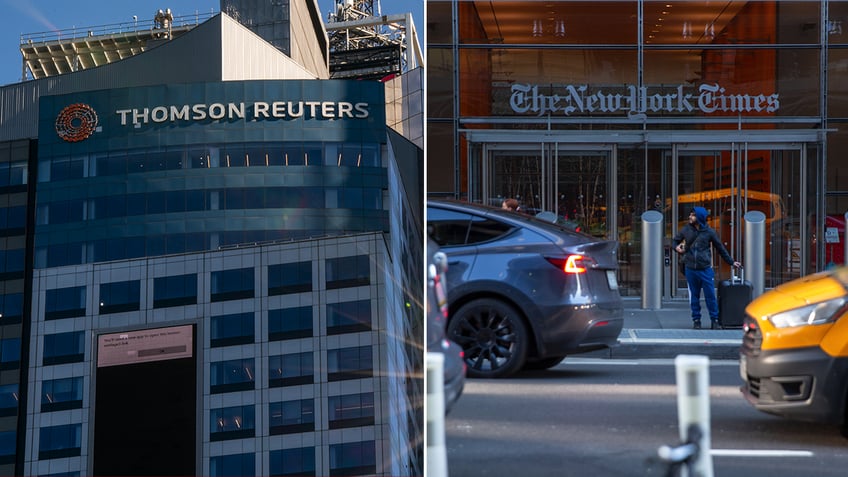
76,122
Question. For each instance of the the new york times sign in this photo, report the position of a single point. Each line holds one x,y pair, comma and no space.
582,100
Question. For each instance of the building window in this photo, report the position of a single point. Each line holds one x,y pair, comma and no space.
346,272
232,465
59,441
290,369
7,447
175,291
9,399
233,375
353,458
351,410
228,330
289,278
290,417
64,303
61,394
290,323
11,264
348,317
237,422
10,353
120,296
11,308
12,221
292,462
232,284
349,363
62,348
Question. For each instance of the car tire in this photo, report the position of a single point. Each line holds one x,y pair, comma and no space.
544,363
492,336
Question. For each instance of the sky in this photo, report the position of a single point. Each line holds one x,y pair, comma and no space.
45,16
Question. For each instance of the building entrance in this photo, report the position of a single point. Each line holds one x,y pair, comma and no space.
604,187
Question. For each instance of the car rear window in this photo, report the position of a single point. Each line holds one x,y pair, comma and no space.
448,227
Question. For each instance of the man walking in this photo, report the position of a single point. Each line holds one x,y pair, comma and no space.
693,243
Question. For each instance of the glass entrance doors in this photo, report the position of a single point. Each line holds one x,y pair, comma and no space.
605,188
571,182
734,179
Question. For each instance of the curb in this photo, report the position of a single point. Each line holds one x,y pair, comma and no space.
667,344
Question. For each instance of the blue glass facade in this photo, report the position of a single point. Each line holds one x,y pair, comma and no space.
136,172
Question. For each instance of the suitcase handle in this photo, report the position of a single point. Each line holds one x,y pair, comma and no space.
733,276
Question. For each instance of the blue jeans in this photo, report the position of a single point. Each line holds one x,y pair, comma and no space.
702,280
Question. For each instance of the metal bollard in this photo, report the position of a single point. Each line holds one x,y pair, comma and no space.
652,260
437,457
693,407
755,250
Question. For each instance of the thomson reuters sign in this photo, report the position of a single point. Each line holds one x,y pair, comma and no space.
79,121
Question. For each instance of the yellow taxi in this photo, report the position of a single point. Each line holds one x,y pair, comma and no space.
794,355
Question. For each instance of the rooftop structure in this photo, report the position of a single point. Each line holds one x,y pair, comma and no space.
368,45
52,53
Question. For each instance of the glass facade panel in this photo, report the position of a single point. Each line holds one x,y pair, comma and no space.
9,399
353,458
120,296
232,375
290,323
11,308
292,462
288,417
175,291
236,422
64,303
61,394
348,317
290,369
62,348
235,465
348,271
232,284
349,363
235,329
289,278
59,441
350,410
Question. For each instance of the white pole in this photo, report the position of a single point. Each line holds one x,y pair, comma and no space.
693,407
437,458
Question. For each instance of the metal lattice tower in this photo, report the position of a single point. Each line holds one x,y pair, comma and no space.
368,45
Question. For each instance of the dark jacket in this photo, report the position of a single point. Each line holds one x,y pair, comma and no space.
698,240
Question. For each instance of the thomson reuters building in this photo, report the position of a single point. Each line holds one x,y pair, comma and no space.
207,273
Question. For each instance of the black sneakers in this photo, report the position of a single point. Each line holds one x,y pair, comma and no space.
715,326
696,324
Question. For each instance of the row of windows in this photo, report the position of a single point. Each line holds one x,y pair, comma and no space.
351,458
129,205
215,156
226,285
225,376
291,369
288,417
124,247
348,458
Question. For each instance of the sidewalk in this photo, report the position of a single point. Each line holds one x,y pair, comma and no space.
667,332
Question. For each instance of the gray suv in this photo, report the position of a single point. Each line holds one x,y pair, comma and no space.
524,292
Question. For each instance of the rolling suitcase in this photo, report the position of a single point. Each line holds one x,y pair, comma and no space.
733,296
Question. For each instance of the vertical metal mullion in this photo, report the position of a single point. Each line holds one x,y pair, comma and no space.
556,179
612,192
804,230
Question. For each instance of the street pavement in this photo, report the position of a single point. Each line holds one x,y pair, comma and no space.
667,332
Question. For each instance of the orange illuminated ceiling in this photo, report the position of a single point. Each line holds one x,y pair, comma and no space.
601,22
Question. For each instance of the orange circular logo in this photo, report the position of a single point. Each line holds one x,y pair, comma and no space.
76,122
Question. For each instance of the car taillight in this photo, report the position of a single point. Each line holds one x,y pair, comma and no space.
574,263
